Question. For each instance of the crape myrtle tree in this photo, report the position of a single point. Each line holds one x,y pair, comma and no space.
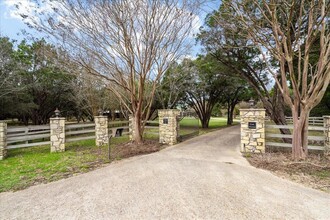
285,31
128,43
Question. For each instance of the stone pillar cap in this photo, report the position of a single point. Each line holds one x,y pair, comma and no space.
252,109
168,110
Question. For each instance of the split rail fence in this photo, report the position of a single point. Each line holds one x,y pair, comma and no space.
152,129
58,132
314,121
20,137
37,135
317,134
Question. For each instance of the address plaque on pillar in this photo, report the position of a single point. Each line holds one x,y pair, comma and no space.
252,125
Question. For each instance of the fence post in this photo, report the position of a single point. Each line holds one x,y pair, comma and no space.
57,134
101,130
131,123
168,126
326,122
253,130
3,140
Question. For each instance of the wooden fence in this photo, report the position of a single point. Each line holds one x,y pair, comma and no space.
316,137
37,135
79,132
314,121
152,128
58,133
20,137
118,128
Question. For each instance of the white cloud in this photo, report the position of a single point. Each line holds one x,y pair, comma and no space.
17,8
196,24
27,10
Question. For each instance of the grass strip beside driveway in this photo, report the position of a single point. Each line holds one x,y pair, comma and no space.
25,167
29,166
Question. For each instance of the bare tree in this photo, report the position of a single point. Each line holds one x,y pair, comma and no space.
286,30
130,43
91,95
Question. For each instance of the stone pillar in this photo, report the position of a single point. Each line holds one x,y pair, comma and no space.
131,127
253,130
101,130
57,134
168,126
3,140
326,122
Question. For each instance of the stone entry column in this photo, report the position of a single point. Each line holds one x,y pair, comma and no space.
101,130
3,140
57,134
326,122
253,130
168,126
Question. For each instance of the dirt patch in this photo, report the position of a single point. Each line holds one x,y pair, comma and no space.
117,152
313,172
131,149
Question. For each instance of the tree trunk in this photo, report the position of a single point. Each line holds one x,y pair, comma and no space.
275,109
300,133
138,131
205,122
230,113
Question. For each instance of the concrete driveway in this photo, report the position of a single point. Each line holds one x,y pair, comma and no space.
203,178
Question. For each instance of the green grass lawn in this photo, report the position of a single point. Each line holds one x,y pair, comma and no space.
188,125
214,122
29,166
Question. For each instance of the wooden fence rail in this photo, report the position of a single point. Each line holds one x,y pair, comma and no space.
316,138
37,135
19,137
79,132
312,120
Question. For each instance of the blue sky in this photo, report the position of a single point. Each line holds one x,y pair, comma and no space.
11,24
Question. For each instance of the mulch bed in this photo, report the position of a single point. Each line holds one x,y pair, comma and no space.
131,149
313,172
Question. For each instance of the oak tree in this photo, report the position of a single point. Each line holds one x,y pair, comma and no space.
285,31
